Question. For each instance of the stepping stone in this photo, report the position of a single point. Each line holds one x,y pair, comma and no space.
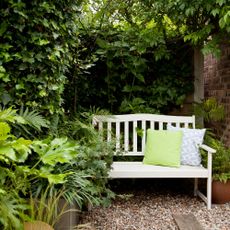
187,222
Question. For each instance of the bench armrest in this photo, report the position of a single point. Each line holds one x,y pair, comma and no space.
207,148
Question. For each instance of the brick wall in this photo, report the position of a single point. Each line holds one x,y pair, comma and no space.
217,84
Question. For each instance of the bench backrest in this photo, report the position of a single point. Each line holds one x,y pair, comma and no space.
130,129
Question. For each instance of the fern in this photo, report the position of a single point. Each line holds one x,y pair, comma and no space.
11,211
8,115
210,110
34,119
87,116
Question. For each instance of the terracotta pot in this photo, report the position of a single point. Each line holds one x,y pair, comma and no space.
220,192
37,225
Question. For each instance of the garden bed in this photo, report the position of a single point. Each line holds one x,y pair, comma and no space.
152,205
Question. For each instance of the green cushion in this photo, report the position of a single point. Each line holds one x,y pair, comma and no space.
163,147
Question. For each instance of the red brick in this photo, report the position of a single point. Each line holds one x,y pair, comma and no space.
217,84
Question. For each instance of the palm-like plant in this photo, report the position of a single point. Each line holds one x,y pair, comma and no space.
33,123
33,119
25,122
209,110
11,210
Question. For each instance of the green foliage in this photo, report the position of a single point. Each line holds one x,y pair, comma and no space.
137,105
11,210
34,119
59,150
131,75
142,63
25,123
95,160
11,148
221,159
77,170
203,23
88,172
13,151
209,110
47,207
38,39
104,53
32,125
20,170
10,115
87,179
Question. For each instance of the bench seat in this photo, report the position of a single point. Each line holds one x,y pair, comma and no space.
135,169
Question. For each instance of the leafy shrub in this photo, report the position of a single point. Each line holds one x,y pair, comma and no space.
78,171
38,43
88,171
137,69
18,174
209,110
221,159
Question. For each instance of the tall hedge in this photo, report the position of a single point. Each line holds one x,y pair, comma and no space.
38,40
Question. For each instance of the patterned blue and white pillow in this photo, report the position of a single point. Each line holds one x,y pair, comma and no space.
192,138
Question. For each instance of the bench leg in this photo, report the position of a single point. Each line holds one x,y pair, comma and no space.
195,186
209,192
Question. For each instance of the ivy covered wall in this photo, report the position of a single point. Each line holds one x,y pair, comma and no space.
37,43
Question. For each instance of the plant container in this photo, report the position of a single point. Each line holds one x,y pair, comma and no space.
37,225
70,219
220,192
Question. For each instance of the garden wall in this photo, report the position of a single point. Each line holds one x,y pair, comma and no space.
217,84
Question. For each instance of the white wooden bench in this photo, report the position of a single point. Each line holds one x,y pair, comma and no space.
125,128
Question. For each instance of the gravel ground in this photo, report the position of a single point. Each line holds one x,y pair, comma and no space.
150,205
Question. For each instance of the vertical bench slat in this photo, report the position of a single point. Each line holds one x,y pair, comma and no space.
160,125
100,126
143,126
178,125
118,136
193,122
152,126
134,136
109,131
126,136
132,145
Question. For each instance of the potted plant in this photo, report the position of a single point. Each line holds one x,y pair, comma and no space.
37,225
46,209
221,173
212,112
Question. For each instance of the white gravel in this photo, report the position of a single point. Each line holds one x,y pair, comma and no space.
152,207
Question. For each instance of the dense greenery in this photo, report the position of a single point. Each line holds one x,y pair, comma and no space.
138,67
38,39
126,79
204,23
133,41
108,54
41,168
212,111
65,59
